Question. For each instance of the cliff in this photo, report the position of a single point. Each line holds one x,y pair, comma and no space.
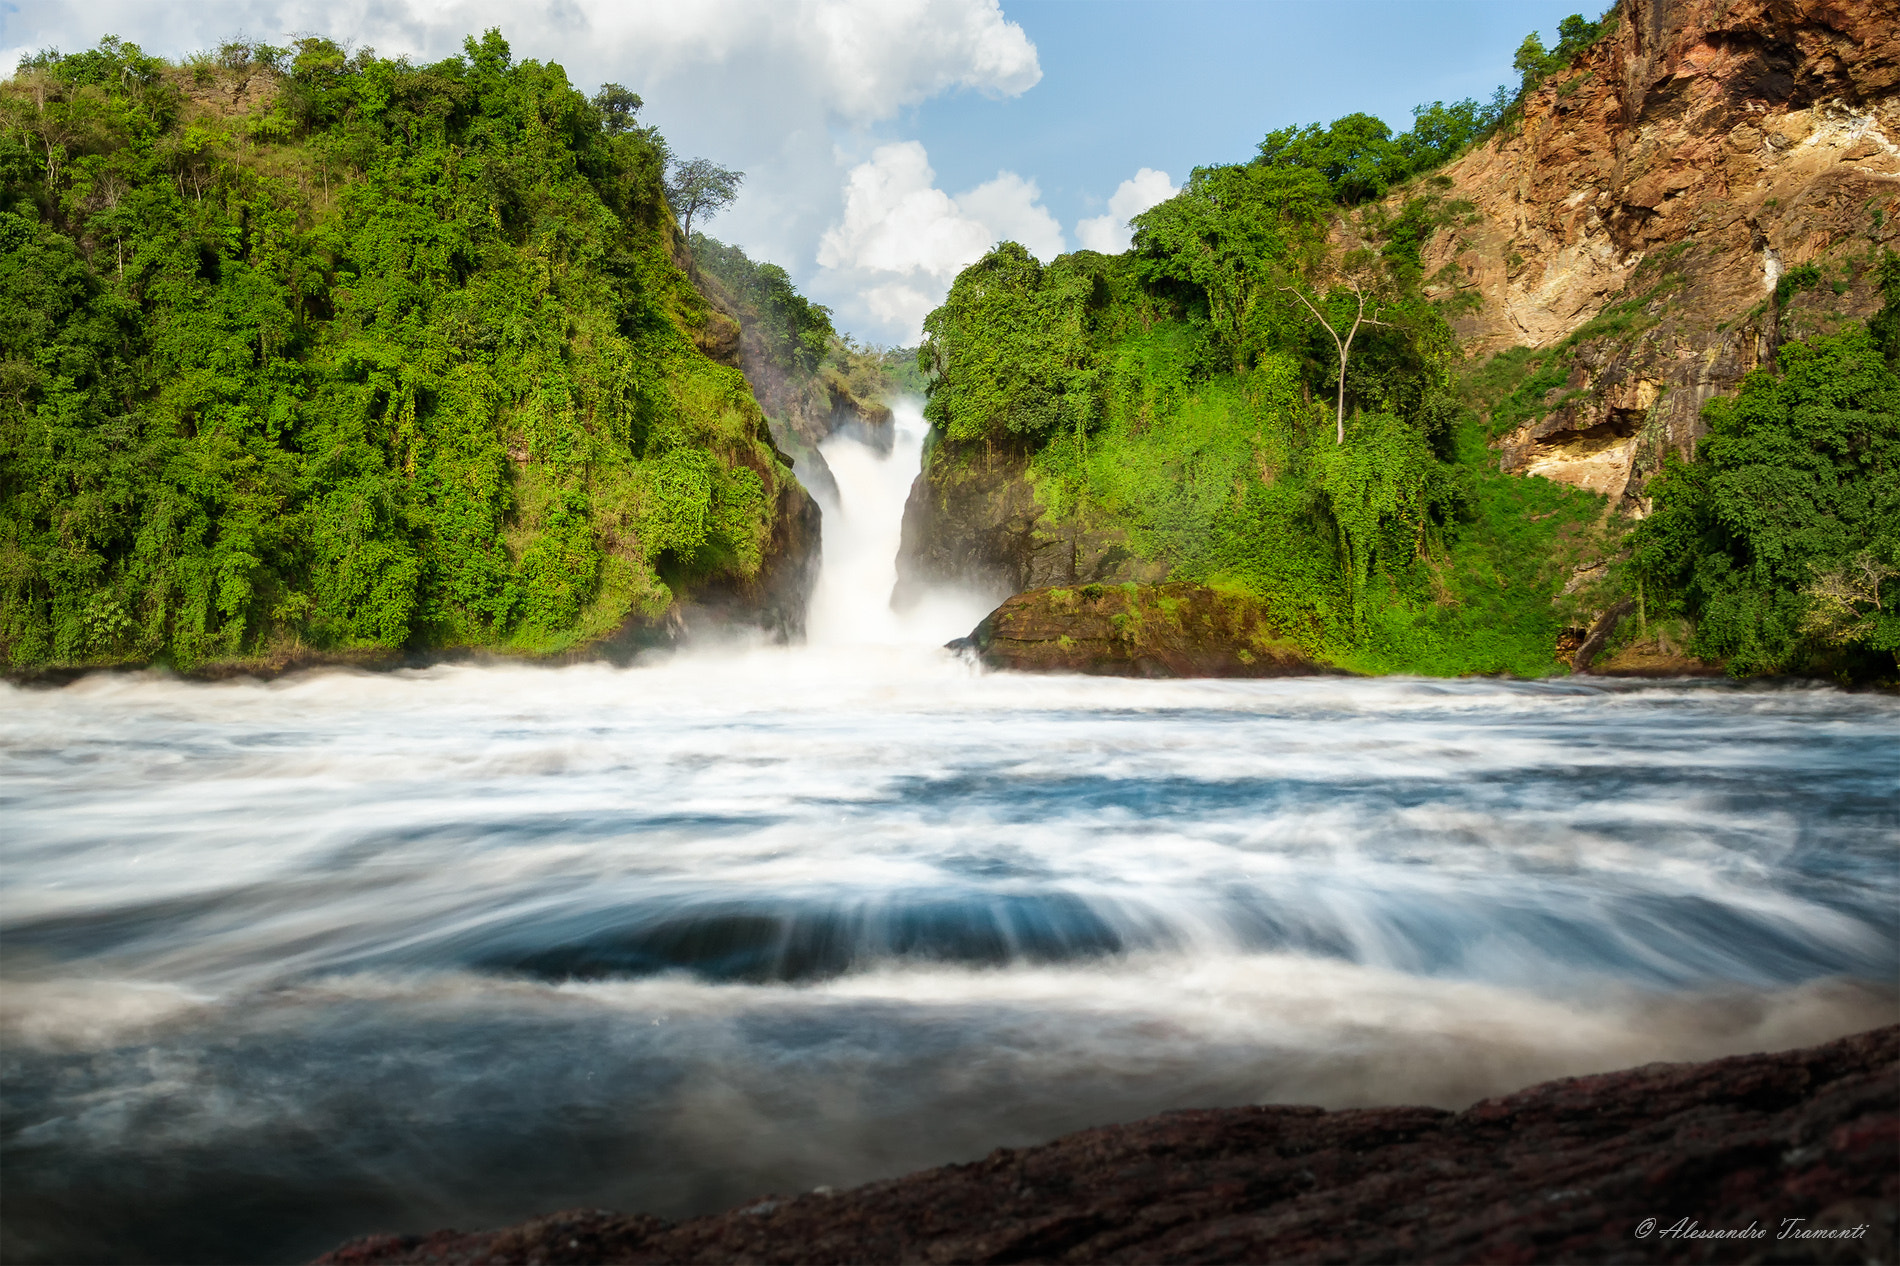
1692,189
808,380
1675,186
295,378
1625,1166
974,520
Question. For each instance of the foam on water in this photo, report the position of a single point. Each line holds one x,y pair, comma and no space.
289,962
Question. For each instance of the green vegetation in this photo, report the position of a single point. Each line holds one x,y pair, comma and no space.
1781,541
797,333
1182,394
1178,395
308,349
1359,159
1534,64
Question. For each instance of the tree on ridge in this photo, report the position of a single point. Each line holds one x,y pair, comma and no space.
700,187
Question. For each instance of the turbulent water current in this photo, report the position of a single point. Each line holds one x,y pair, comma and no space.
285,963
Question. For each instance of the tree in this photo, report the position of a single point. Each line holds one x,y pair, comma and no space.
1344,345
1356,155
1573,36
1440,132
617,106
1784,533
700,187
1532,62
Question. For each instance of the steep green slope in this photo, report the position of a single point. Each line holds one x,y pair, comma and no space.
303,350
1180,400
1180,413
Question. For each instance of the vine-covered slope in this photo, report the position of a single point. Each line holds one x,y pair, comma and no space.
1180,412
306,353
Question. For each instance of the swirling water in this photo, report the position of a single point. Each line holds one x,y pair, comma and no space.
289,962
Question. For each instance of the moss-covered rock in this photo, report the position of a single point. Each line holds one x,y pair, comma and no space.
1131,630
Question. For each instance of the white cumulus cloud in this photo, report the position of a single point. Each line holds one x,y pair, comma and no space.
901,240
1110,233
1011,208
859,60
765,86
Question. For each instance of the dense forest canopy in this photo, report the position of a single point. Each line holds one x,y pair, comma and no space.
308,348
1179,393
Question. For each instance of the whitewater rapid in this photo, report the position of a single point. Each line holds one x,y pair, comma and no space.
289,962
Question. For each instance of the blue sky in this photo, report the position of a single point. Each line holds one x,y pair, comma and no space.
1127,83
888,143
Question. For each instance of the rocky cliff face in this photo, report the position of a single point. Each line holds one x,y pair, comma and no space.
973,521
1639,219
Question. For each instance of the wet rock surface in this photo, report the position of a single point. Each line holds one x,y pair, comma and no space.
1130,630
1570,1170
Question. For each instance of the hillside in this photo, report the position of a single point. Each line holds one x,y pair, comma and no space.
314,356
1724,176
1567,283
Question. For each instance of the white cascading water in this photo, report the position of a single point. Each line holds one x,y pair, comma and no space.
290,962
850,606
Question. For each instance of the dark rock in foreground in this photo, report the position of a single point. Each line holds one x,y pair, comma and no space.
1567,1171
1130,630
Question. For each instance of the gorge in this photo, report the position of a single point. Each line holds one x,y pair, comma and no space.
480,739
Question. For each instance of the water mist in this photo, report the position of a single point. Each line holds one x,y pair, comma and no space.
286,963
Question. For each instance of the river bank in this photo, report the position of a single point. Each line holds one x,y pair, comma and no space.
1785,1157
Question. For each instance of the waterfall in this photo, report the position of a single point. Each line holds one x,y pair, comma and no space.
851,606
286,962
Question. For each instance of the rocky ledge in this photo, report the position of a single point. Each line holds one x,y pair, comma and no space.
1654,1164
1130,630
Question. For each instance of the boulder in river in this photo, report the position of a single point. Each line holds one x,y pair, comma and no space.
1131,630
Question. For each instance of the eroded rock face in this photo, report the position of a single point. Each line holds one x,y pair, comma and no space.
973,521
776,599
1683,165
1613,1168
1132,630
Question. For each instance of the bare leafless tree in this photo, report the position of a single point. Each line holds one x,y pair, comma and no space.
1344,345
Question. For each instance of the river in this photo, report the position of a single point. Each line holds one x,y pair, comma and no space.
285,963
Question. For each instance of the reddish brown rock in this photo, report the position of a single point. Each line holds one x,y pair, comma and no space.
1130,630
1568,1171
1666,182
